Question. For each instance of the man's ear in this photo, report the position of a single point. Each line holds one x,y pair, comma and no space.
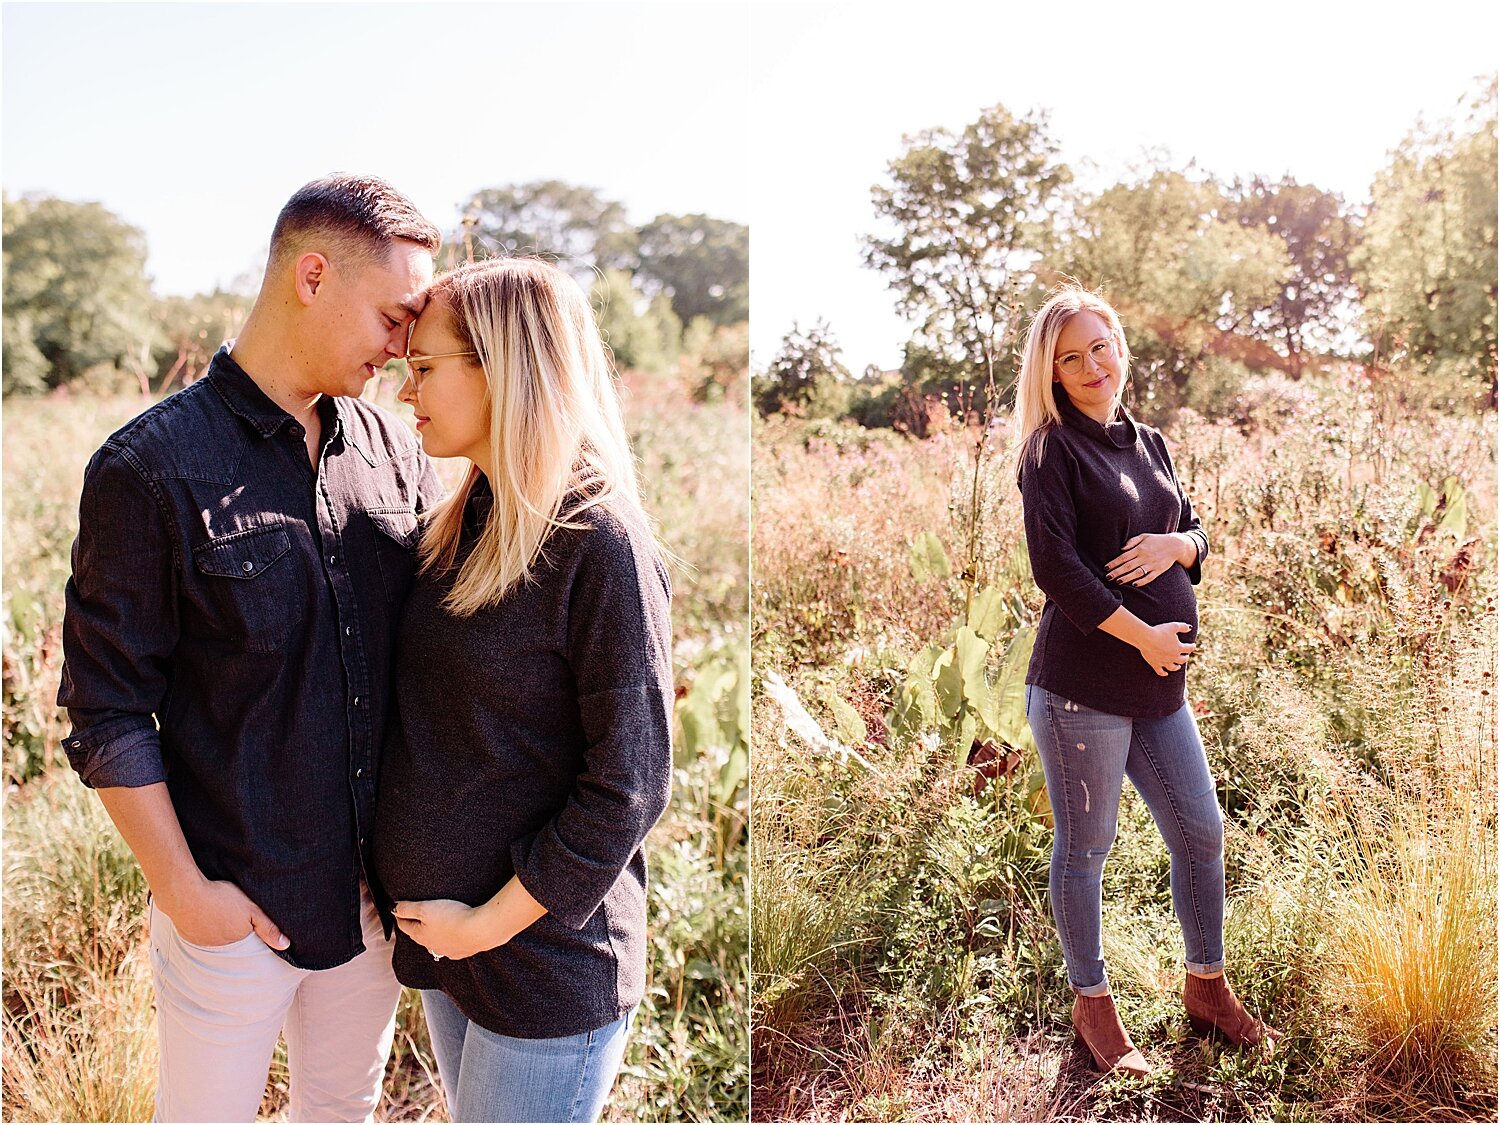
309,273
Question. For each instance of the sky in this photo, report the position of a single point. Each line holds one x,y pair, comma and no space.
196,121
1320,91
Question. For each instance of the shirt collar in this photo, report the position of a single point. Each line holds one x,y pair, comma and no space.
1119,434
244,397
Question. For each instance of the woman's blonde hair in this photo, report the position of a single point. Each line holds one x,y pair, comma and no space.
1036,403
557,442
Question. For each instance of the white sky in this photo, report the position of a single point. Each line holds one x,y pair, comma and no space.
1317,90
196,121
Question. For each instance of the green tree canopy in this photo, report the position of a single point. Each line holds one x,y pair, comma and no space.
192,328
642,333
1310,312
702,264
1428,260
1184,274
76,293
971,214
565,223
806,362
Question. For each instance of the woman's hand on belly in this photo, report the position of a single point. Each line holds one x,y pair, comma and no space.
1145,558
447,928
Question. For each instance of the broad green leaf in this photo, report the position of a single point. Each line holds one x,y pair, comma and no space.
972,650
742,697
966,731
947,681
928,559
1010,687
1455,508
987,612
917,705
846,720
731,775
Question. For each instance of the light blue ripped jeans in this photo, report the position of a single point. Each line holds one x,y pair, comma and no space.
498,1078
1086,755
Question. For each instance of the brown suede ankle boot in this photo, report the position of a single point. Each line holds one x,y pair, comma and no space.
1099,1026
1212,1006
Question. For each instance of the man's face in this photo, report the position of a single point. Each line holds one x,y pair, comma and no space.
365,314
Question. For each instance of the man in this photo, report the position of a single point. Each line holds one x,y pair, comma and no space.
243,550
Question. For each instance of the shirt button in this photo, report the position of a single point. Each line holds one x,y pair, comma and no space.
348,630
359,772
296,430
333,560
356,701
361,841
77,743
247,566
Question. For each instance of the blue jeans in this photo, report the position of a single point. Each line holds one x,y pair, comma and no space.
1086,756
490,1077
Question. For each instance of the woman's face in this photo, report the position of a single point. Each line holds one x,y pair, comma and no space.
449,392
1086,364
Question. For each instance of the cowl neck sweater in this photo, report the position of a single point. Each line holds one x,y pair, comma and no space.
1098,486
1122,433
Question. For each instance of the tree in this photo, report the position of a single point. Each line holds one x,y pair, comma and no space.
643,333
702,264
1185,276
1317,301
570,225
76,293
972,214
192,328
806,361
1427,262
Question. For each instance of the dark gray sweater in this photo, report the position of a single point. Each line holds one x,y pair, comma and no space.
534,739
1098,486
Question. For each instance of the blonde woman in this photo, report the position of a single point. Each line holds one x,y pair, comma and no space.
1116,549
534,687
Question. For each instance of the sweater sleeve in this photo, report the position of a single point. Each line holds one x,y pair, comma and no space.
1051,521
619,648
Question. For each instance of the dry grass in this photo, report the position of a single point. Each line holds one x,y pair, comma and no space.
1348,648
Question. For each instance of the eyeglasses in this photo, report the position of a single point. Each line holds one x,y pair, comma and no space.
411,371
1072,363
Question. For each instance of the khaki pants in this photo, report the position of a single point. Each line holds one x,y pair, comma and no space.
219,1011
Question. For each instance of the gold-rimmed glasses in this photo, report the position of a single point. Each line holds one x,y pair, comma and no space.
414,375
1072,363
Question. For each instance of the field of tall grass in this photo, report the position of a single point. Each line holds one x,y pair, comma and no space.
79,1038
905,961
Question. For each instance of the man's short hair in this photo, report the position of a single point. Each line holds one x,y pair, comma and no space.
351,219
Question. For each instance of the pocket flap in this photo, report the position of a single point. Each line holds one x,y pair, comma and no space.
243,554
399,524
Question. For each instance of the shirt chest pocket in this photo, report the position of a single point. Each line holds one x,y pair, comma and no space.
249,586
395,533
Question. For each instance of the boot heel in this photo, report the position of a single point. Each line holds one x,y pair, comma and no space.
1094,1060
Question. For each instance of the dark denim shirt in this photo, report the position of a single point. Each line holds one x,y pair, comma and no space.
229,630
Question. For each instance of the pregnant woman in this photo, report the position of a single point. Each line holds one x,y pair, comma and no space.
1116,549
534,683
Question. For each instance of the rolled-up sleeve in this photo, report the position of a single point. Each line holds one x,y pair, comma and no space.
119,627
1052,542
619,648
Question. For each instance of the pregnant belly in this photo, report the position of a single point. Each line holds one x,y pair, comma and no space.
1169,598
